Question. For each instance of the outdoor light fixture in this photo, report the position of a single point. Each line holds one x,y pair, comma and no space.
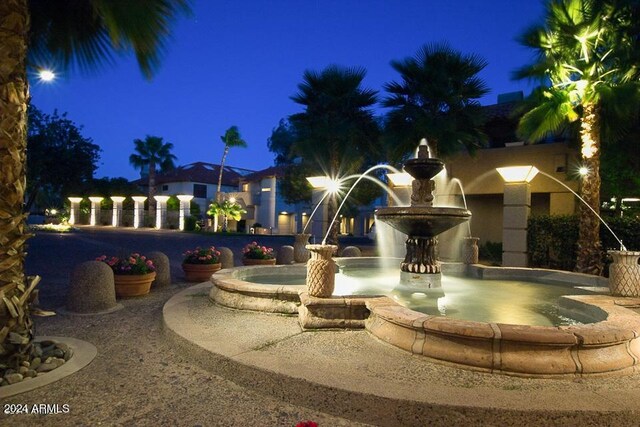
324,182
518,173
232,199
400,179
583,171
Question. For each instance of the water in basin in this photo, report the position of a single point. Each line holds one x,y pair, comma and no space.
499,301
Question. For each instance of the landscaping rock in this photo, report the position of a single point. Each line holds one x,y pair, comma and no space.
285,255
163,270
13,378
46,367
226,257
351,251
91,290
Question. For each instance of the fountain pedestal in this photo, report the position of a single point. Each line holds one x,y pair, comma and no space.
321,271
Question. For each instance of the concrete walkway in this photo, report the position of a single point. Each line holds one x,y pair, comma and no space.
351,374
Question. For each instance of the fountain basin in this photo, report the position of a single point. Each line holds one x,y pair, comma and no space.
422,221
610,345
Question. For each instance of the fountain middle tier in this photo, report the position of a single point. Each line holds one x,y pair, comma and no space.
420,268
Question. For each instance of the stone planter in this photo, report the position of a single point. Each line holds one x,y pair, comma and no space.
250,261
321,271
300,251
133,285
470,251
199,272
624,274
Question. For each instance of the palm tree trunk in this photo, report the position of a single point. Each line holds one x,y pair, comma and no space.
332,208
589,259
152,190
16,327
219,191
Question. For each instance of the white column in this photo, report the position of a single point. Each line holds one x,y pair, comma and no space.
74,211
185,208
95,210
161,211
116,219
138,210
516,210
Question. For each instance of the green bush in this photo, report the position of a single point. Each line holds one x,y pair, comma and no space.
552,239
627,229
491,253
190,223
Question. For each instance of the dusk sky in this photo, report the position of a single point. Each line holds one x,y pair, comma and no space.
239,62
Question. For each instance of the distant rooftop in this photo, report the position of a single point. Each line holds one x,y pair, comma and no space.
201,172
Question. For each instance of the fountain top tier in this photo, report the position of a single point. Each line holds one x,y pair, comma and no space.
422,218
423,166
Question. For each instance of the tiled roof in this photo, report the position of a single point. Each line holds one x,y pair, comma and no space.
206,173
277,171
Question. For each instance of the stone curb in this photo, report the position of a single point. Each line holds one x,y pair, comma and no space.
83,354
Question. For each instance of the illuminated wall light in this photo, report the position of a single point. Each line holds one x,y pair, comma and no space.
583,171
266,189
400,179
518,173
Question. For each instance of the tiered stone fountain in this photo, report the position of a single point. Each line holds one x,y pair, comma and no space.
422,222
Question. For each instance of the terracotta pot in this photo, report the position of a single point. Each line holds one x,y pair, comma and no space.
133,285
249,261
199,272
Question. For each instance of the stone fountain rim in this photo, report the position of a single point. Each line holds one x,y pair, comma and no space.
606,347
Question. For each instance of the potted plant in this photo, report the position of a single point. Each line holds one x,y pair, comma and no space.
255,254
200,263
132,275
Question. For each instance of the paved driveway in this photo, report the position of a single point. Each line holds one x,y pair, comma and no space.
53,256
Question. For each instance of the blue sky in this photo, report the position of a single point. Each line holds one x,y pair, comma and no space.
238,63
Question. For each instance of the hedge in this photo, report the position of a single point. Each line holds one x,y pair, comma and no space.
552,239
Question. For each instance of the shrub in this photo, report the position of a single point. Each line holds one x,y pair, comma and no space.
552,241
254,251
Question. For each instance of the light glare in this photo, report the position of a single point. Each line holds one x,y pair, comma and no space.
46,75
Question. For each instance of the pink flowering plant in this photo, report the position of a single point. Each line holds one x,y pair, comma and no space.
200,255
255,251
133,264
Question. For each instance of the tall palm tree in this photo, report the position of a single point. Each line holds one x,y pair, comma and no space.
336,133
152,153
437,98
82,33
583,58
231,139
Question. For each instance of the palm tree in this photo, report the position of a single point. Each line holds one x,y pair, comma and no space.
583,50
436,99
336,133
81,33
231,138
152,152
228,210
